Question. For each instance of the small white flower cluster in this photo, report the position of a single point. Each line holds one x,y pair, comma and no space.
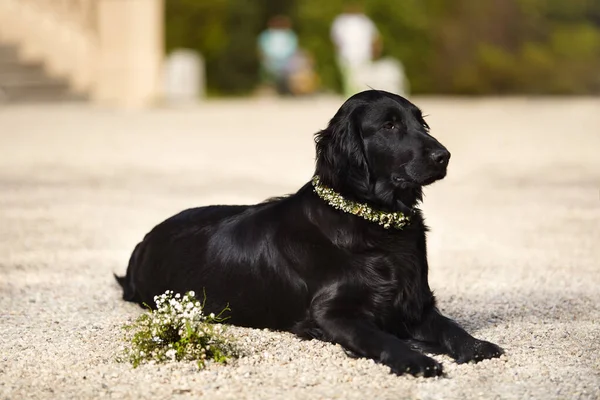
177,310
179,330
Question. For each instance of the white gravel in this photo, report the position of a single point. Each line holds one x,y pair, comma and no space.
514,248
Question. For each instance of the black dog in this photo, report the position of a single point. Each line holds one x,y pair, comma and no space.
343,260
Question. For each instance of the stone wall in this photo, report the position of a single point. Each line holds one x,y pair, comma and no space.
109,49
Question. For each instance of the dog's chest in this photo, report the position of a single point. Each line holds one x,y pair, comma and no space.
399,280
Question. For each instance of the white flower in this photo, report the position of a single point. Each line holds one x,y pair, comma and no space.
177,295
192,293
171,354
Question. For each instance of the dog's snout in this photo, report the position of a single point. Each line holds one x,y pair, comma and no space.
440,157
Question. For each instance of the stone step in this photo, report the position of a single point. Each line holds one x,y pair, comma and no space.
24,73
35,93
8,53
28,82
16,66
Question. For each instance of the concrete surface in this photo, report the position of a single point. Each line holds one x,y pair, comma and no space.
514,247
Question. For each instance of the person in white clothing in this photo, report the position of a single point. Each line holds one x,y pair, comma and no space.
357,40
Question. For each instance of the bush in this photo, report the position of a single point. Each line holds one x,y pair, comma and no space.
459,46
178,330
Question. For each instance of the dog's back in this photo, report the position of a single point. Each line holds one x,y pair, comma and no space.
227,252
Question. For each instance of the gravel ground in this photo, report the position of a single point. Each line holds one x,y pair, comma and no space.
514,247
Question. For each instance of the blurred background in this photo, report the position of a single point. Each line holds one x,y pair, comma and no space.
139,52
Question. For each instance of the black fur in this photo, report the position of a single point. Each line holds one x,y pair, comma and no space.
297,264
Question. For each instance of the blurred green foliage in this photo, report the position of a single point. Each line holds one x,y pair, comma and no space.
453,47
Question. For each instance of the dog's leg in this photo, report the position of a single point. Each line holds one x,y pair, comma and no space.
342,323
435,328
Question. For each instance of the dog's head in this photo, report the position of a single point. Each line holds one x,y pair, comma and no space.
377,148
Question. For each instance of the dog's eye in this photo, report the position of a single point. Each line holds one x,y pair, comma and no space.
389,126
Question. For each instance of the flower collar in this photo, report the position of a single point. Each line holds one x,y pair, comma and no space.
387,220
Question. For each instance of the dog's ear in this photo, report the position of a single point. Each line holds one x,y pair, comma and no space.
341,160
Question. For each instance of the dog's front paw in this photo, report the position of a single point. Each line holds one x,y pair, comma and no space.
416,364
478,350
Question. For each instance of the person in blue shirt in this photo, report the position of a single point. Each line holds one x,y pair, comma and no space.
277,46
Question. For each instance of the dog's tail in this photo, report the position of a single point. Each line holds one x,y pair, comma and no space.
121,280
126,282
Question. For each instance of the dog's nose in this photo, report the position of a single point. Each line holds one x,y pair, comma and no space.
440,157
